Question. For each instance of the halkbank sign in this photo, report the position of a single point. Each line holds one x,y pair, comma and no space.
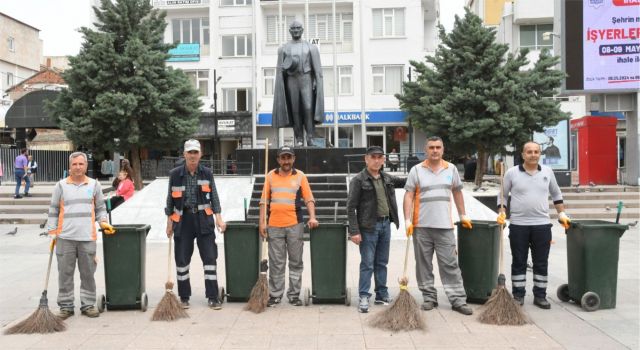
353,117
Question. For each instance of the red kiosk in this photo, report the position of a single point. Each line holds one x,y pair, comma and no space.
597,149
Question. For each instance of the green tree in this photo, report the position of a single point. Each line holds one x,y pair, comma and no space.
121,95
476,95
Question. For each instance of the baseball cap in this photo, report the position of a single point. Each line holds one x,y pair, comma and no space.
286,150
375,150
192,145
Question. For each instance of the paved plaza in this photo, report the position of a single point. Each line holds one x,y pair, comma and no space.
23,259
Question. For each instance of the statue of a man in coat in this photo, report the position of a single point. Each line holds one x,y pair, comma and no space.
298,98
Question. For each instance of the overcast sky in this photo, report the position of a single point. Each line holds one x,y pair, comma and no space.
58,20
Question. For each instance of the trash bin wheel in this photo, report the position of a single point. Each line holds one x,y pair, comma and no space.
102,303
563,293
221,294
347,297
144,302
590,301
307,296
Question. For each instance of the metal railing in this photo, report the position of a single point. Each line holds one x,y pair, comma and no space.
355,162
51,164
152,169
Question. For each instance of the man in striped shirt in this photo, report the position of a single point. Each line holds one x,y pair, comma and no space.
75,204
430,186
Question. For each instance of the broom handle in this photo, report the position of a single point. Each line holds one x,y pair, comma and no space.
406,257
169,260
51,245
265,250
503,201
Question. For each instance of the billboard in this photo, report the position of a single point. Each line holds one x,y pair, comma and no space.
554,142
601,50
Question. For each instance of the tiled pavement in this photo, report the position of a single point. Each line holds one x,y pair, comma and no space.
23,259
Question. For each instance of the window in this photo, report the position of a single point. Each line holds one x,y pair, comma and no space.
388,22
273,36
532,36
236,2
320,27
269,81
237,100
192,31
9,80
387,80
345,86
11,43
200,80
236,45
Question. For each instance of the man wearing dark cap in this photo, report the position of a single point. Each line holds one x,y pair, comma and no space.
372,207
284,193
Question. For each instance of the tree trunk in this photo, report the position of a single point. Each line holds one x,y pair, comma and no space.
481,166
137,169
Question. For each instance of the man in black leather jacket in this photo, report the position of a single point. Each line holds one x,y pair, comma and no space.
372,207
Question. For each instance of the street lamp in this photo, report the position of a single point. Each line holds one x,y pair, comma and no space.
216,79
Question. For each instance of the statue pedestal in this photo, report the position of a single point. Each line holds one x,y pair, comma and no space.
310,160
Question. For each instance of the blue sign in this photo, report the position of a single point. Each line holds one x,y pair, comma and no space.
618,115
185,53
354,117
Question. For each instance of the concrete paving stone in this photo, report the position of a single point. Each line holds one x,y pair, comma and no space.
19,341
400,340
62,340
247,341
430,339
200,341
155,341
341,341
295,341
108,341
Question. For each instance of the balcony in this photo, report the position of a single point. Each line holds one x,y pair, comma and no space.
533,11
172,4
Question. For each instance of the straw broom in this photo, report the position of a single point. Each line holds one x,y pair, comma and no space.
404,314
501,309
169,308
42,320
260,293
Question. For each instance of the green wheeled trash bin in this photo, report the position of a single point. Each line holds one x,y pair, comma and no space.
479,259
124,268
328,265
592,260
242,245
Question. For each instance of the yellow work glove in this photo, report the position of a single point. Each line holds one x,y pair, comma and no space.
502,217
564,220
466,222
408,226
106,228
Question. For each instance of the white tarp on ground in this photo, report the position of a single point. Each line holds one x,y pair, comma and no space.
147,206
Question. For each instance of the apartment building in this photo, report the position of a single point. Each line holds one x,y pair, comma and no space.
229,50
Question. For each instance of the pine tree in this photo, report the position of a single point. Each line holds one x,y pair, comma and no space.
121,94
475,95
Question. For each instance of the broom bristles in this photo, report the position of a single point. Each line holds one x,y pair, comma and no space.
259,295
41,321
169,307
403,314
501,309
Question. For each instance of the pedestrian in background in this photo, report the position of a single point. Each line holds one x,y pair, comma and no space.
32,170
21,166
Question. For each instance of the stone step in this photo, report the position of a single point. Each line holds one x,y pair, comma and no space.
38,219
601,196
590,213
603,188
25,201
598,203
24,209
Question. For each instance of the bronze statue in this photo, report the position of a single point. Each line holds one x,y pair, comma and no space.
298,97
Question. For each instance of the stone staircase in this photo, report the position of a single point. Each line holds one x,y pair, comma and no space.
600,202
327,191
29,210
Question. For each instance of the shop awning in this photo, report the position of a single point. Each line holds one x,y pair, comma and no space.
29,112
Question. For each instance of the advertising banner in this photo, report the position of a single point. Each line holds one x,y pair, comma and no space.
554,142
611,44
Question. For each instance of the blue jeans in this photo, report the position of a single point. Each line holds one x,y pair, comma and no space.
20,175
374,256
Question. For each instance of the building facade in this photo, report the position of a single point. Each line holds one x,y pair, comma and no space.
228,48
